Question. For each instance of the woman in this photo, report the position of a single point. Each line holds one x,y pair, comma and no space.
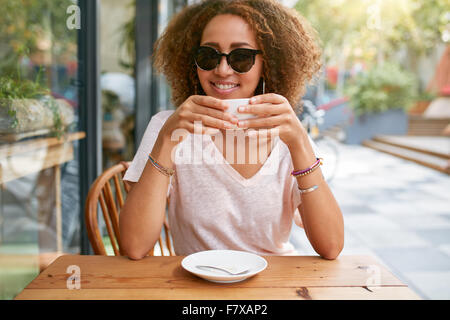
210,52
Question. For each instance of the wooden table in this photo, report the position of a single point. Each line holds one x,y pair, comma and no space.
163,278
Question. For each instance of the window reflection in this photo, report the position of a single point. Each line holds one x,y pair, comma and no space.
39,120
39,169
118,79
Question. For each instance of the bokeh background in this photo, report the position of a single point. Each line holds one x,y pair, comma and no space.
77,91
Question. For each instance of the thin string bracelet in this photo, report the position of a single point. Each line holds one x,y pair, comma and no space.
166,171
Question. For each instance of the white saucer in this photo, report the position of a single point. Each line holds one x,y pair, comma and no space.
230,258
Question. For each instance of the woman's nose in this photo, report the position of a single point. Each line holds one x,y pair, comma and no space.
223,68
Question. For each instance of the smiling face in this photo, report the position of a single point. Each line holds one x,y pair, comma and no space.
225,33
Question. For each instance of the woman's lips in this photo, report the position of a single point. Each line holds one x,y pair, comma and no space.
223,90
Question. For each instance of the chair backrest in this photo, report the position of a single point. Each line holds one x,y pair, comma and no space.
109,191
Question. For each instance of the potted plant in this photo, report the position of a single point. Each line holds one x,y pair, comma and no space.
27,109
379,100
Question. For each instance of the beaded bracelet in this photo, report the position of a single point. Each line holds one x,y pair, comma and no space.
304,172
166,171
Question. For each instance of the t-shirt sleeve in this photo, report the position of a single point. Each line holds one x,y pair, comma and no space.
296,197
148,141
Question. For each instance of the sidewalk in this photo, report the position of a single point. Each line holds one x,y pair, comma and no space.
397,211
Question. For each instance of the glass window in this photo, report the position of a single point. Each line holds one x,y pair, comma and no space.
39,163
118,75
118,81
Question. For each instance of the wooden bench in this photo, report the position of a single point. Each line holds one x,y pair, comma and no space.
418,125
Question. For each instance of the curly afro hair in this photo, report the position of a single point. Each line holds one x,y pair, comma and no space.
289,46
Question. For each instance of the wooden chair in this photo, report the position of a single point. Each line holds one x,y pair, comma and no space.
108,190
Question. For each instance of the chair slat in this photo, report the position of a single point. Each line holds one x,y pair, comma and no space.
167,233
112,199
168,241
118,191
108,224
112,209
160,241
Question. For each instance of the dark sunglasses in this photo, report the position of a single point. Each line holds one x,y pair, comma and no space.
241,60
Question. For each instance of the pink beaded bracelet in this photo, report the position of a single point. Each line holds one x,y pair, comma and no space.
304,172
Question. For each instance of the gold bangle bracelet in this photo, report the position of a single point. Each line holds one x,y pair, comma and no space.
303,191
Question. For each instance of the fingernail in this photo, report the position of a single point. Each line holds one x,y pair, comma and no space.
240,109
242,123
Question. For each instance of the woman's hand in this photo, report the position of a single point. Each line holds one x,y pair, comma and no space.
274,114
209,111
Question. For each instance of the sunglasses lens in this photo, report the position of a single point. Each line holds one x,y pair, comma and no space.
242,60
207,58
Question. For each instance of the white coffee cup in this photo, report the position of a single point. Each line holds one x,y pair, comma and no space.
234,104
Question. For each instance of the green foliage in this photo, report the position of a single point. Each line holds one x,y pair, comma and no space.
371,30
338,24
382,88
110,101
430,20
17,88
128,36
32,30
31,26
426,96
58,128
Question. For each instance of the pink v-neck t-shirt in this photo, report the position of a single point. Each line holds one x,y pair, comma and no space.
213,207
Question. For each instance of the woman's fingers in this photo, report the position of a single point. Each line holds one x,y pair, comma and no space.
218,114
263,109
268,98
211,121
268,122
211,113
210,102
201,128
